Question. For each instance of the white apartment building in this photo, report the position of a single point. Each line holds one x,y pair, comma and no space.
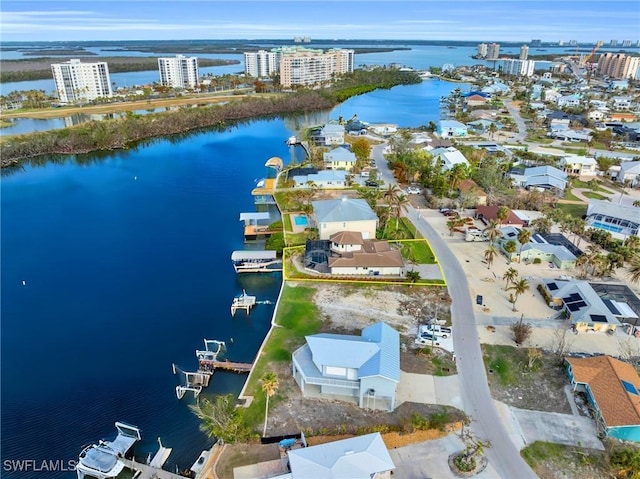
261,64
482,50
493,51
179,71
524,52
523,68
81,81
306,66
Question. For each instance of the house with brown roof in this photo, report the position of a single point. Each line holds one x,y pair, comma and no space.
471,189
622,117
354,255
613,389
486,214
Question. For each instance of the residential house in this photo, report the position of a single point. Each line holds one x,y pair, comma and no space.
566,134
621,102
580,165
449,157
470,188
597,115
476,99
384,129
452,128
629,172
354,255
568,101
545,177
621,221
360,457
558,255
486,214
339,159
483,125
324,179
613,389
624,117
497,88
619,84
345,214
552,95
363,368
333,134
582,305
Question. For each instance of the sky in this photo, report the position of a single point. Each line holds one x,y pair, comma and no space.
478,20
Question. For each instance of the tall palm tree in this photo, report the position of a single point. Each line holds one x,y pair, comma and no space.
490,254
502,214
510,276
399,204
519,287
509,248
523,238
492,231
391,193
634,269
269,387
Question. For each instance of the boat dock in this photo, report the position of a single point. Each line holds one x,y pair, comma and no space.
244,301
147,471
250,261
212,365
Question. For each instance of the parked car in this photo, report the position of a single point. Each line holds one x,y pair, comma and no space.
372,183
435,330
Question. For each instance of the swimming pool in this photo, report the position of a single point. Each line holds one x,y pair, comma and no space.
301,221
606,227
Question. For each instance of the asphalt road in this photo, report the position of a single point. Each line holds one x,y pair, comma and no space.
503,455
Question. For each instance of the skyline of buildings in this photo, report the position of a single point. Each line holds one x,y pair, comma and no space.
619,65
179,71
76,81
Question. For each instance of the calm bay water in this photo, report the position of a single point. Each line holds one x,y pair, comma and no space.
126,259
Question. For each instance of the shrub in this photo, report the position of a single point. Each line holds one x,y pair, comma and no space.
537,261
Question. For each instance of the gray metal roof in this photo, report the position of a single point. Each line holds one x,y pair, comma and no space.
591,304
344,209
559,251
255,216
248,255
623,212
387,363
359,457
339,154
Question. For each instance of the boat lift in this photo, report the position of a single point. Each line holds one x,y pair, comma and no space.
194,382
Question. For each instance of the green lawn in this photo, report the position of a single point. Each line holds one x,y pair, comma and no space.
568,195
594,196
417,251
577,211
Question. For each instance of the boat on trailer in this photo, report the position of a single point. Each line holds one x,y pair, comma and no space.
256,261
103,460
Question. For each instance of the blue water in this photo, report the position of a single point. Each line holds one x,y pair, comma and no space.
127,267
301,221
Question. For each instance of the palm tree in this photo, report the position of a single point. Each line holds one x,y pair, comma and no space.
520,287
492,130
634,269
269,387
492,231
510,276
490,254
541,225
523,238
502,214
510,248
399,205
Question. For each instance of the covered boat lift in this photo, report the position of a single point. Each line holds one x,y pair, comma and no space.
247,261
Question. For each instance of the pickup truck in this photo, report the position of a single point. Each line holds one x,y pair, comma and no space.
435,330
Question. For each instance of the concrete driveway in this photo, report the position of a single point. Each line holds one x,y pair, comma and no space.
427,389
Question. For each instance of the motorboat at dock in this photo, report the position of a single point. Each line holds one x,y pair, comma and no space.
249,261
104,460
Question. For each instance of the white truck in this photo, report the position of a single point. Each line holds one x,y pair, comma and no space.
436,330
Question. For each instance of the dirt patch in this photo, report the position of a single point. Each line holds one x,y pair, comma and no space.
237,455
539,388
555,461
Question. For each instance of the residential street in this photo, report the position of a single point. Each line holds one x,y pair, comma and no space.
503,455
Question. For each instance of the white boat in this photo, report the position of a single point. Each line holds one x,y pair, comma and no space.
256,261
103,460
292,141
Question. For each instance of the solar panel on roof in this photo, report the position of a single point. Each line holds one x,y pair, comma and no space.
611,306
599,318
552,286
576,306
630,388
572,298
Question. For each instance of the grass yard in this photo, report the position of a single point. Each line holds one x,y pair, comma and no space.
594,196
550,461
568,195
417,251
577,211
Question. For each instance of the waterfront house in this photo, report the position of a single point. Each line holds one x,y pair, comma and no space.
477,99
360,457
452,128
339,159
621,221
449,157
345,214
613,390
354,255
333,134
324,179
384,129
581,304
364,369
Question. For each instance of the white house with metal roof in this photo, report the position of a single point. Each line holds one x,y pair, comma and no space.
345,214
582,305
546,177
324,179
580,165
333,134
629,170
360,457
452,128
621,221
339,159
449,156
363,368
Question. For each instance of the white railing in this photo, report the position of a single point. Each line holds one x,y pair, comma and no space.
343,383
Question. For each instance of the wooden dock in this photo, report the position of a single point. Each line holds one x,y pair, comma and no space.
206,366
145,471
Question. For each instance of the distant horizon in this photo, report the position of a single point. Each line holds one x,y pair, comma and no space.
500,21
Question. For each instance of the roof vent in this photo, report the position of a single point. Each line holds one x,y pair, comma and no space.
348,453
